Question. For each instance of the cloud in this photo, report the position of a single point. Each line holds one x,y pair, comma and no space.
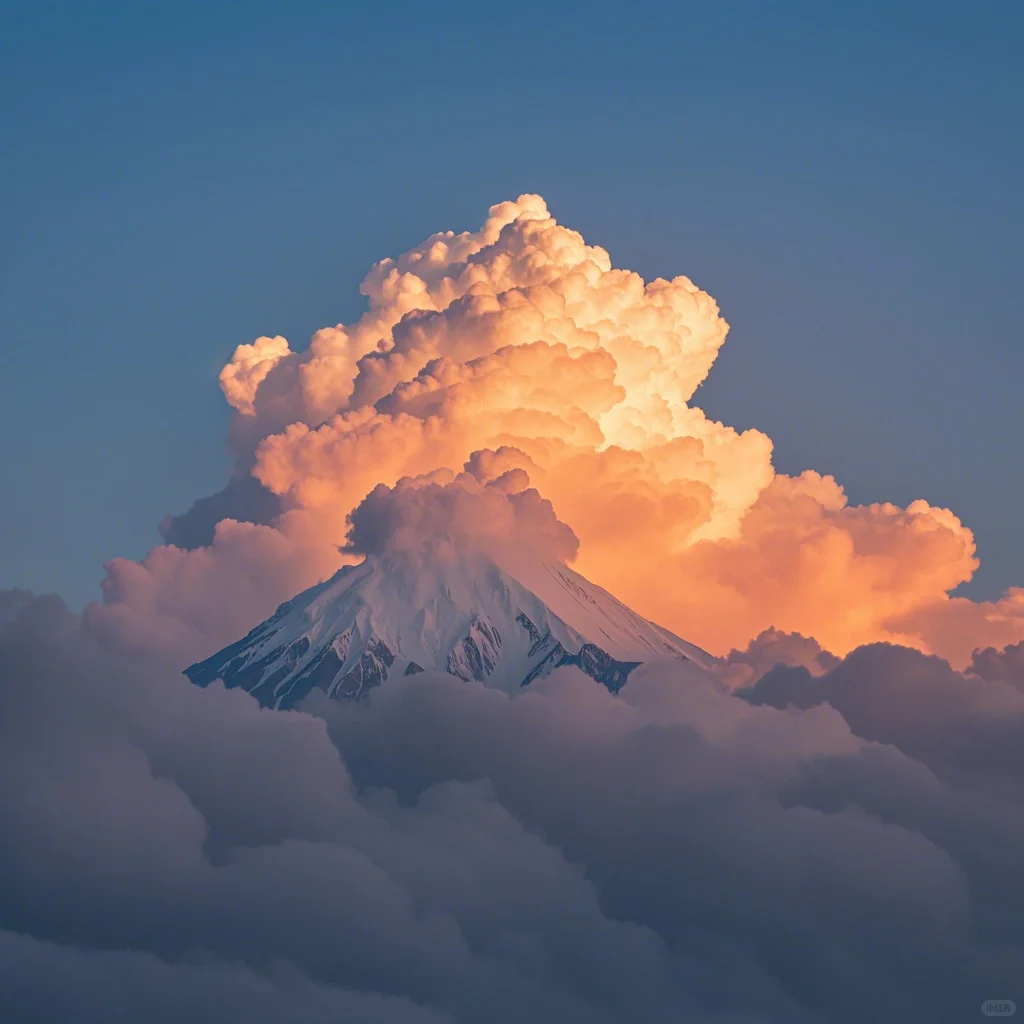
770,648
1006,666
836,841
520,335
424,517
243,499
48,981
956,626
805,561
448,853
249,366
181,605
963,726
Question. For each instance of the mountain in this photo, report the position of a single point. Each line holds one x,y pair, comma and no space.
465,616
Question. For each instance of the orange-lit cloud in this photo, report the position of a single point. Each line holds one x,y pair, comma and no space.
521,343
175,603
438,516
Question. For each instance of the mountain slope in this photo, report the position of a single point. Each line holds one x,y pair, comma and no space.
466,617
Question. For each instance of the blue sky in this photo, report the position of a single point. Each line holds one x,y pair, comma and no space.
843,178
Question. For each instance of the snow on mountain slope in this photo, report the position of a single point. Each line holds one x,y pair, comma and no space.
467,617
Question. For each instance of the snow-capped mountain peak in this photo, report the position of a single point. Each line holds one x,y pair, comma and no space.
465,616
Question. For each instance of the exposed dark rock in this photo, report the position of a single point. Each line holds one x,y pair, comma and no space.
602,666
202,673
533,632
476,655
551,660
370,671
320,672
597,664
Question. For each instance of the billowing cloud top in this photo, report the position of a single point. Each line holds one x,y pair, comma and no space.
523,338
434,518
521,277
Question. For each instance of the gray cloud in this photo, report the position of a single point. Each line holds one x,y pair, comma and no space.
769,648
242,498
429,517
43,981
965,728
1005,666
446,853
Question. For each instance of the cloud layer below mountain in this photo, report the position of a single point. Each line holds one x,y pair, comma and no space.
838,847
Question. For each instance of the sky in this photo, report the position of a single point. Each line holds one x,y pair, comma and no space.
214,396
843,179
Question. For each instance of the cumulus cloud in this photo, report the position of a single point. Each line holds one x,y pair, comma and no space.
54,982
446,853
521,335
243,499
1005,666
819,841
806,561
770,648
180,605
241,378
967,729
956,626
431,518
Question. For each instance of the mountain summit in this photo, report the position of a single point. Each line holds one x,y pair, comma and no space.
390,616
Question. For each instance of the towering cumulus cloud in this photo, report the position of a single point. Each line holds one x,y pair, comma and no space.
522,339
829,831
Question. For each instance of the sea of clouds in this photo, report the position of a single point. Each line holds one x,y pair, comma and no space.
836,846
